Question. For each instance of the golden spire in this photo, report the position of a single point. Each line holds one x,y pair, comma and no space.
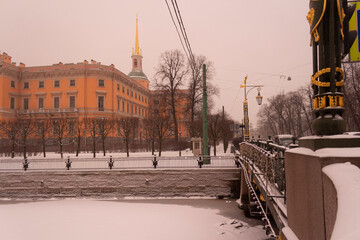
137,49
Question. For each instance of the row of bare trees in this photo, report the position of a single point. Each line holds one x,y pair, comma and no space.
65,131
352,96
291,113
287,113
173,74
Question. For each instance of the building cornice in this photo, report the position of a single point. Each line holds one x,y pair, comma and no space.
9,72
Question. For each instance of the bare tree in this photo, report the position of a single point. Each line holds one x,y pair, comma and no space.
214,129
169,77
60,132
226,133
194,104
9,130
104,127
149,128
79,132
162,125
26,129
91,127
126,129
43,131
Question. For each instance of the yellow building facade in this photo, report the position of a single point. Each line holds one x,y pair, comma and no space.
73,90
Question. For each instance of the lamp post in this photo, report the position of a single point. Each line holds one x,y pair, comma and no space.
179,144
245,106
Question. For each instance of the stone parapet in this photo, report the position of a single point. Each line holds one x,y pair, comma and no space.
120,183
311,196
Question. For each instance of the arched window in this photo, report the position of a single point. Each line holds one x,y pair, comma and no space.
135,62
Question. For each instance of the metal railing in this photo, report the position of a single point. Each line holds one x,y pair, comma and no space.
264,164
118,163
268,159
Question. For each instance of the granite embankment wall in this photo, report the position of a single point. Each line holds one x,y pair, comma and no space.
121,183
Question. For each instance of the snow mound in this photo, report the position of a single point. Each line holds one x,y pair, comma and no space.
346,179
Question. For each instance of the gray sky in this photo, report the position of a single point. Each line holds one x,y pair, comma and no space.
262,39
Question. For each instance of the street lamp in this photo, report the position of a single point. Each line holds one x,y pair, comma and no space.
245,106
284,77
179,144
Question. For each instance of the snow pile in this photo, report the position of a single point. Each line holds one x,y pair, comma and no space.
346,179
91,219
327,152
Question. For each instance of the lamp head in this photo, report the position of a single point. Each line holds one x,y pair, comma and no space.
259,98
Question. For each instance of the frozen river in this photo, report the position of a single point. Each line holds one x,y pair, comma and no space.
77,219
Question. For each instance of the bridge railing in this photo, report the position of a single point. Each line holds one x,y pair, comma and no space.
268,159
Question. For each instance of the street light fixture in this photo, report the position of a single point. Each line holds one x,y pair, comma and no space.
259,98
245,106
283,76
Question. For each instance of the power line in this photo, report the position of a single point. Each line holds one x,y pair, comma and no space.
184,32
177,31
183,37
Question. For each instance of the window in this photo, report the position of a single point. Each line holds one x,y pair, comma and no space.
135,109
118,104
132,109
118,87
56,102
101,83
41,84
72,102
26,103
12,103
132,94
127,108
57,83
135,95
101,103
123,89
142,98
135,63
12,83
123,106
127,91
26,85
72,83
145,100
41,103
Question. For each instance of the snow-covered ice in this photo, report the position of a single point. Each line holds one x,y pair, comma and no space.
75,219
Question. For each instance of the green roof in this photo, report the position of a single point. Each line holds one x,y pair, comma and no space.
137,74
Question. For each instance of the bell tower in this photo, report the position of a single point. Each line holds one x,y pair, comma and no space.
137,73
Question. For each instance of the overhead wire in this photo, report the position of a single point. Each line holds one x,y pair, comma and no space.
183,36
177,31
184,32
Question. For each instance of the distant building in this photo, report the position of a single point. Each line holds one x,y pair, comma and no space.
159,100
77,90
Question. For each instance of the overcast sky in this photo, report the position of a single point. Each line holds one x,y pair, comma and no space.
263,39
